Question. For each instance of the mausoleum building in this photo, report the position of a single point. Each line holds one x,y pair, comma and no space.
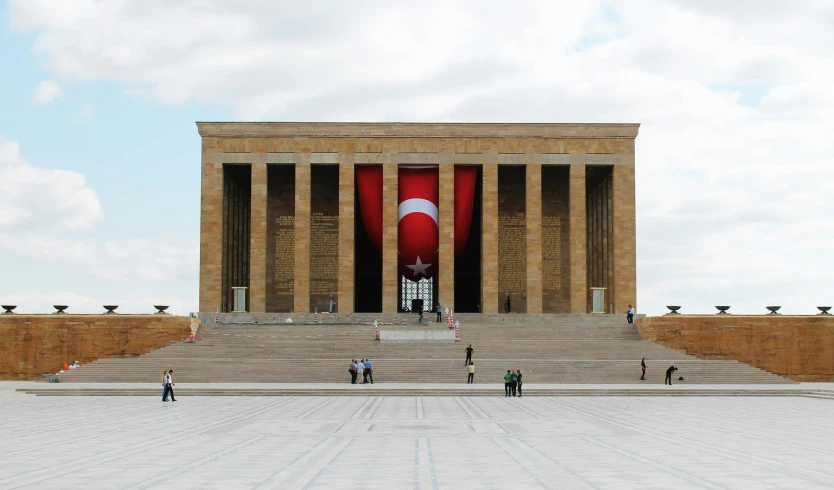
393,217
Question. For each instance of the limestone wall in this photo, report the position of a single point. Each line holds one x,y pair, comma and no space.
31,345
799,347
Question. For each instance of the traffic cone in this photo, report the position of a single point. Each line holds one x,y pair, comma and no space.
457,330
377,334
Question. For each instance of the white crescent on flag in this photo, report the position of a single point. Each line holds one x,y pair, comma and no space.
418,206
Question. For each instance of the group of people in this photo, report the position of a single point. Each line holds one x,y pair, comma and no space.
512,383
363,369
168,385
669,372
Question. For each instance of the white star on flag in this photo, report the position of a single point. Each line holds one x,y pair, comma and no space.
419,267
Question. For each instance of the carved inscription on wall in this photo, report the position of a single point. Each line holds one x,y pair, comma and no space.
324,255
280,238
551,253
555,239
282,279
512,253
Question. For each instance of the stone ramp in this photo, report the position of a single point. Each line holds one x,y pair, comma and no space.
579,349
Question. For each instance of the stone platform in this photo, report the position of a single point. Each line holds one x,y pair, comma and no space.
417,442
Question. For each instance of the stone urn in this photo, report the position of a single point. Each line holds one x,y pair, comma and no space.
59,309
722,310
111,309
9,309
673,310
160,309
773,309
824,310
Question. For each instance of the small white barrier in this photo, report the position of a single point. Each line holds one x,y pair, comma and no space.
442,336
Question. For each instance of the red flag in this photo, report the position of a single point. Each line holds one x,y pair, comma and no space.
369,187
465,180
418,213
418,221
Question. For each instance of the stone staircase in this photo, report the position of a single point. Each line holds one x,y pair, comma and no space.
552,349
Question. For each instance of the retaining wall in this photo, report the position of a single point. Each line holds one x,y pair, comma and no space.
798,347
31,345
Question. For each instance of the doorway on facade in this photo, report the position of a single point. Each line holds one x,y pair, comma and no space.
417,295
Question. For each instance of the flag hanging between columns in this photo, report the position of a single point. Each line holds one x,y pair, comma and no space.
418,213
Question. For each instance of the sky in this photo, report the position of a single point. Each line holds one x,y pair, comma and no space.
100,156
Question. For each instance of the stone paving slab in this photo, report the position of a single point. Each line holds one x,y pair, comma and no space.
378,442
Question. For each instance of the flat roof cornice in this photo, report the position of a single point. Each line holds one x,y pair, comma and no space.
414,130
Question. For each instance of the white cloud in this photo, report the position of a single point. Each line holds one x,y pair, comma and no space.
733,199
47,92
33,198
148,260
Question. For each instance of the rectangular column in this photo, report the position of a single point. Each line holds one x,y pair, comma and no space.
301,288
624,238
577,230
489,243
257,235
211,232
390,222
534,237
446,230
346,234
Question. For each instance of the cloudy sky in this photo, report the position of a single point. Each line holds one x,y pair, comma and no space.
99,154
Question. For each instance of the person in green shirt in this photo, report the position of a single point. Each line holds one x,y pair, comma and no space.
508,378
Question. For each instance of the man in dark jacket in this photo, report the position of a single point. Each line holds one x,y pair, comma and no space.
669,372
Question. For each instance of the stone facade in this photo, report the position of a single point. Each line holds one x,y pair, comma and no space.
580,148
31,345
798,347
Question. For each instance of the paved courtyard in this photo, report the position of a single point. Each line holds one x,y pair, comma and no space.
401,442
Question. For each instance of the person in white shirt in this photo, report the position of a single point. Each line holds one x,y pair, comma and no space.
169,381
360,369
471,377
630,314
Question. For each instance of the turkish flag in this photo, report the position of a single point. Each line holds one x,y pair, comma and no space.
369,187
418,221
465,180
418,213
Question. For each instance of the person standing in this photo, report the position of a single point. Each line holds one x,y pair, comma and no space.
469,351
352,371
170,381
470,379
360,370
519,382
630,314
420,318
332,304
369,371
513,382
439,312
643,367
508,378
669,372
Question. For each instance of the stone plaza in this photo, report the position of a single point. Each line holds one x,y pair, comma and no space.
416,442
